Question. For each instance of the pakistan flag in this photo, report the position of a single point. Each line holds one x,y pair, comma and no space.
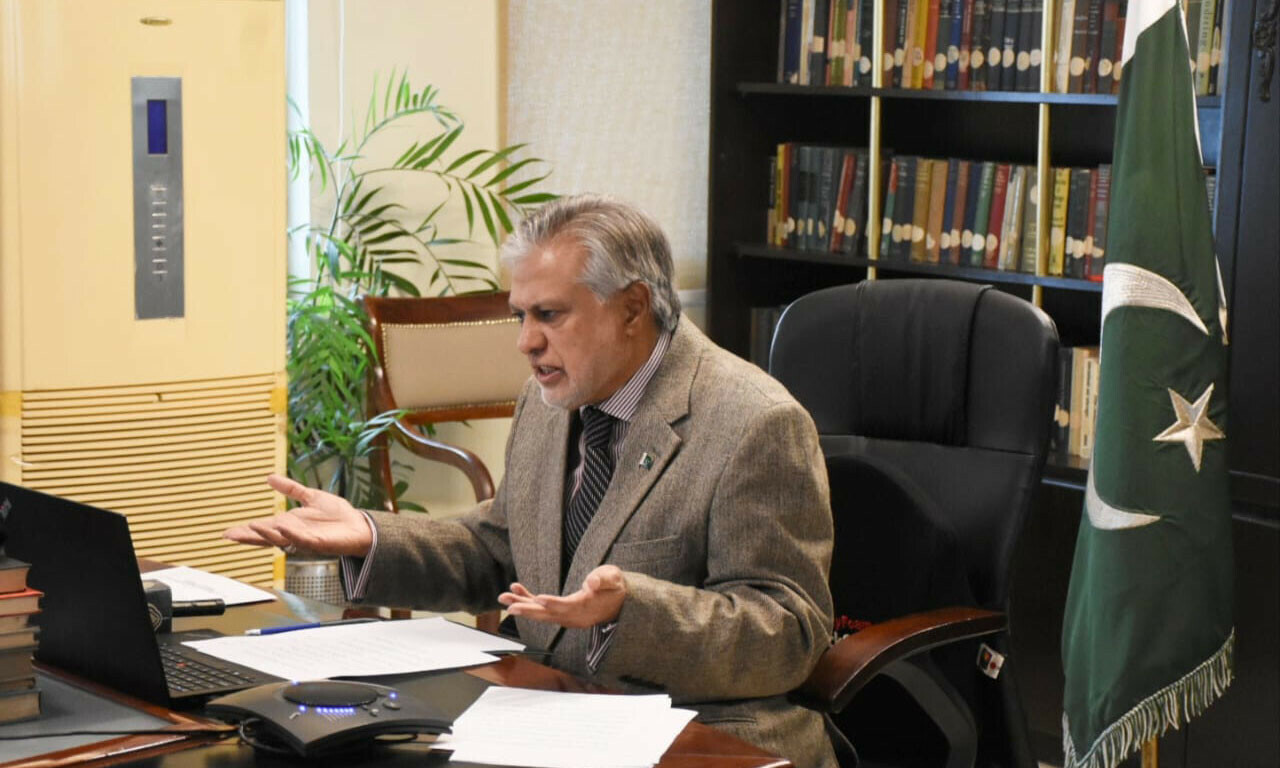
1147,637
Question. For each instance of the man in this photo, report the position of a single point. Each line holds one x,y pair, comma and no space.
663,523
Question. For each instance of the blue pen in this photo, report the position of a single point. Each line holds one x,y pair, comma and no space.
310,625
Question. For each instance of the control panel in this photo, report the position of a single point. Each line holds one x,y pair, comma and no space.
157,197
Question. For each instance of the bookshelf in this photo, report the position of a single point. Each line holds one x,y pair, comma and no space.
751,113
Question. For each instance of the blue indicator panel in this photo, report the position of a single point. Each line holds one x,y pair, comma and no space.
157,127
158,210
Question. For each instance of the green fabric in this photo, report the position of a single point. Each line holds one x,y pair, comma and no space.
1147,635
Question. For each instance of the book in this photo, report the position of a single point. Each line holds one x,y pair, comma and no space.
836,42
16,621
802,171
1102,207
1060,432
13,574
1078,395
929,63
1107,45
976,170
1090,217
943,57
1066,10
783,224
771,210
965,56
1089,419
1077,222
856,214
958,214
1031,224
791,41
902,44
866,42
995,42
818,43
1117,70
978,45
995,220
889,43
1093,47
904,208
890,201
937,203
1011,233
1058,221
921,32
19,705
24,636
16,661
843,191
20,602
1027,37
982,214
954,36
1035,45
18,683
948,213
806,41
1079,47
1009,44
826,182
1204,44
919,220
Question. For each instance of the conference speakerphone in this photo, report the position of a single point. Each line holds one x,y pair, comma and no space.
325,716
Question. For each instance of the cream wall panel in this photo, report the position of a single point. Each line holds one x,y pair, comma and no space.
72,76
455,45
616,95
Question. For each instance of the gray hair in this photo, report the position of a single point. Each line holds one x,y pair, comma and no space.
623,245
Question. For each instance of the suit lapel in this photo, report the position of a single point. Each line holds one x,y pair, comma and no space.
665,401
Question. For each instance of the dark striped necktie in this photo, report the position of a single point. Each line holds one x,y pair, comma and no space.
597,470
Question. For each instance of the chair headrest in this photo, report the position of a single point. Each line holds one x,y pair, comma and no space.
841,352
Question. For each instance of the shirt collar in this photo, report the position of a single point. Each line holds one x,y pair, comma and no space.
622,404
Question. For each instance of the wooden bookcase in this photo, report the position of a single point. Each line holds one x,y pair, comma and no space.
751,114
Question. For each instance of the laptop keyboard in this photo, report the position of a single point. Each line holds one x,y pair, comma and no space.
185,674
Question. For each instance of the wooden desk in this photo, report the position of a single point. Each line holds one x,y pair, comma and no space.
698,746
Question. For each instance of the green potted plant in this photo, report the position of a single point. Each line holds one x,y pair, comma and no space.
362,247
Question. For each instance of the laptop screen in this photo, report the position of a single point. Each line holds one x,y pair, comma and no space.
93,620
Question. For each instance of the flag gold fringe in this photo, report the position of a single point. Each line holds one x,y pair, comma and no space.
1167,708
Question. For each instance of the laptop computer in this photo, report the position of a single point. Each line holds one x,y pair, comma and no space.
94,621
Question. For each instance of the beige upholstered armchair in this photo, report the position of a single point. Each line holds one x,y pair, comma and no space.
442,359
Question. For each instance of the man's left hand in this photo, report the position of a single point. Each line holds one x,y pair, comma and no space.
599,600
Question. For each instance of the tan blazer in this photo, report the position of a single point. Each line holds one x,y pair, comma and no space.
725,539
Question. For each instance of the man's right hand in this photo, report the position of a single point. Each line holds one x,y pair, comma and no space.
324,524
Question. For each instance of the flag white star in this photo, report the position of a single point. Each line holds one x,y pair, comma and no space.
1192,427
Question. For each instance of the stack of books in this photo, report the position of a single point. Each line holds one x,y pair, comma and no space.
818,198
1079,207
19,696
965,45
1076,412
960,212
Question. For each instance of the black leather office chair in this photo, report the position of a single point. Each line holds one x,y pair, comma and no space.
933,401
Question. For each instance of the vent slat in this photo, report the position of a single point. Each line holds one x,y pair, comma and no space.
258,380
181,460
172,427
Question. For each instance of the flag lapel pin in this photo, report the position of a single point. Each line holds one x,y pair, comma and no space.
646,460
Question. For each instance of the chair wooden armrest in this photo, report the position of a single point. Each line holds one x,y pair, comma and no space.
459,458
849,664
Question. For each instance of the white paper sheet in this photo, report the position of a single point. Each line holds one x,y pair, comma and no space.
375,648
547,729
191,584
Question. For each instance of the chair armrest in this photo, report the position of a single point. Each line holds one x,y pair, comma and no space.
849,664
459,458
